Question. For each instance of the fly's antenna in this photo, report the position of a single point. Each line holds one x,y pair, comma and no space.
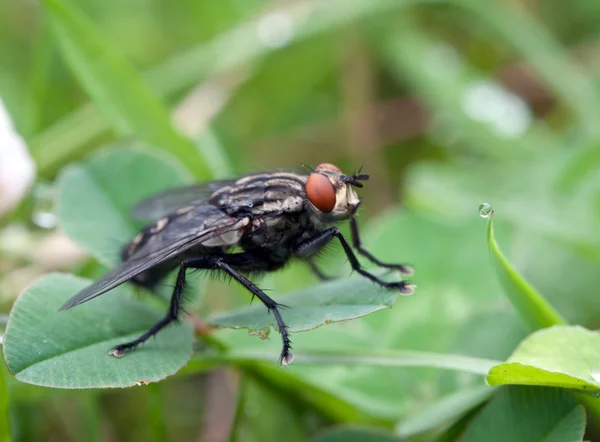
356,178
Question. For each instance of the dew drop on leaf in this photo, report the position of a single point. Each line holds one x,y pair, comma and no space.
485,210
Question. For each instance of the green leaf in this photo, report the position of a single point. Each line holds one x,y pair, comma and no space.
535,311
118,90
561,356
531,414
69,349
309,308
350,434
447,409
95,198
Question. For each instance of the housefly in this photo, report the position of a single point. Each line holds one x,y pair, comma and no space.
241,227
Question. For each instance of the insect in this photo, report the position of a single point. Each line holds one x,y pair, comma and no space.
241,227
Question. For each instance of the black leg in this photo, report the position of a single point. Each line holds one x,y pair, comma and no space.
227,263
286,356
356,242
306,248
172,315
317,271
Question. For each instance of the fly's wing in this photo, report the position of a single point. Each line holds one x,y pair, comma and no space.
204,225
170,200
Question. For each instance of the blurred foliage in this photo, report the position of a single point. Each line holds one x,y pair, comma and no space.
447,104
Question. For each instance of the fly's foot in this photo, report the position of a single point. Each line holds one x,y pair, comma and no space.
286,358
404,287
119,351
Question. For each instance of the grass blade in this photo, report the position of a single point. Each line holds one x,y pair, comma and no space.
535,311
387,358
4,403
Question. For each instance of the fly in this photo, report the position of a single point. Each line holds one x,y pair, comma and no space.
271,217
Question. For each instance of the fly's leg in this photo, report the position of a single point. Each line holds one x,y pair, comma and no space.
317,271
405,270
286,356
309,246
227,263
171,316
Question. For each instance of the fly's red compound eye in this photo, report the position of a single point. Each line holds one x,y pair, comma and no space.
320,192
328,166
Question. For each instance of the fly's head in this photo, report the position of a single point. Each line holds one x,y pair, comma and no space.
331,193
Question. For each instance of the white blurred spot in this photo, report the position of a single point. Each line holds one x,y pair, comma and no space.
506,113
441,61
275,29
17,169
596,375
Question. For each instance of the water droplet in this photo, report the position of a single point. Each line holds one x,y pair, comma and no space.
596,374
43,207
485,210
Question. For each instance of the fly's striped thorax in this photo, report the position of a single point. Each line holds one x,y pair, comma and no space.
263,193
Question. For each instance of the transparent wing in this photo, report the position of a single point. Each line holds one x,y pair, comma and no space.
205,225
170,200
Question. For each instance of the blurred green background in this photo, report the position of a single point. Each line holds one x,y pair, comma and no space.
446,104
